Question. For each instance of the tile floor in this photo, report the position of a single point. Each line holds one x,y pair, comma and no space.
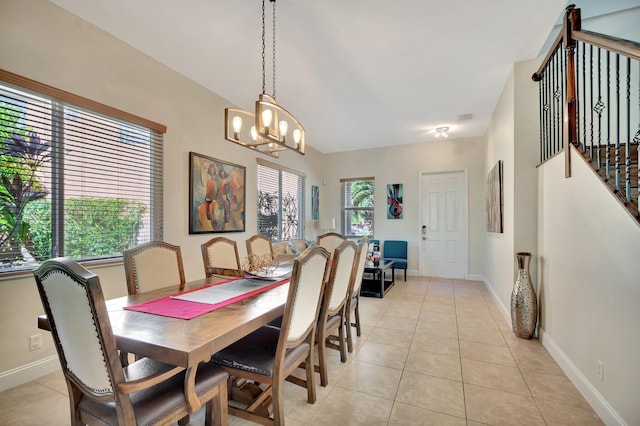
432,352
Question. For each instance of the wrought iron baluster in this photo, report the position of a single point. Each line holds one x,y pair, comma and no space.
591,101
599,107
541,108
627,144
636,139
549,73
617,152
563,97
584,94
608,144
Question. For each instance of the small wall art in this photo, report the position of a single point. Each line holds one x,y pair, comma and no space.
315,202
495,199
394,201
216,195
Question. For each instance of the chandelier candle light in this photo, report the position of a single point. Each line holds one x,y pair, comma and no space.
266,131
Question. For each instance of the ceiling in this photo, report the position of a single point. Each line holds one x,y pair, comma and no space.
357,73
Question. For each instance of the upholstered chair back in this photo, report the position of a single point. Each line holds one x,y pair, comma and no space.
361,257
75,308
330,241
259,245
152,265
341,269
220,253
305,295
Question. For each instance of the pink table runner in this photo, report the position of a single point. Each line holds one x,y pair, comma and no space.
182,309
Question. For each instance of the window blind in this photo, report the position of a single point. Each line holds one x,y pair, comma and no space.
75,182
281,198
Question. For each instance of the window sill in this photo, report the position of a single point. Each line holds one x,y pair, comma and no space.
26,271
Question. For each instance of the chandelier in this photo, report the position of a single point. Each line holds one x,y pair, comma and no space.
266,130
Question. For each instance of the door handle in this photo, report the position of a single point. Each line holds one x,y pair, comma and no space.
424,232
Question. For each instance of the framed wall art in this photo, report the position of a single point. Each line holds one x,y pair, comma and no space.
394,201
495,199
216,195
315,202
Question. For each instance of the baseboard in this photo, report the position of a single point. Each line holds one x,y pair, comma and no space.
28,372
599,404
504,310
475,277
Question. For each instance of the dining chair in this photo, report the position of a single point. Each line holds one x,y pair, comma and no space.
102,391
353,304
333,309
151,265
330,240
220,257
269,355
259,246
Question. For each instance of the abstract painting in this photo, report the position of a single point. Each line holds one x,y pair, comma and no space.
394,201
216,195
495,199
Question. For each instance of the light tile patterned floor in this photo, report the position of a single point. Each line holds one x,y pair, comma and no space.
432,352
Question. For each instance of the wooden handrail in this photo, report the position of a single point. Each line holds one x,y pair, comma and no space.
537,76
622,46
572,29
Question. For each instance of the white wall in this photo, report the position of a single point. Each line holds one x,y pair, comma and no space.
43,42
589,287
499,261
404,164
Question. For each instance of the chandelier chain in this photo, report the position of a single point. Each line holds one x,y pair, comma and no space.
274,48
263,49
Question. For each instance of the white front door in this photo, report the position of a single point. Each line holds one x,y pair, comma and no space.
443,233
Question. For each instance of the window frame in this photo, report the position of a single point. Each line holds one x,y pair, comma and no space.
346,225
301,203
63,100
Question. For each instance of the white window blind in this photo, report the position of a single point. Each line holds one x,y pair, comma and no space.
281,198
76,182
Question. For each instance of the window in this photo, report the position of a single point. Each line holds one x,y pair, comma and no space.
357,206
280,202
77,180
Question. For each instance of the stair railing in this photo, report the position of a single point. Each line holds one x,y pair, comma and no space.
589,89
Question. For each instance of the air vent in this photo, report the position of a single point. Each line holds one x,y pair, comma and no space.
465,117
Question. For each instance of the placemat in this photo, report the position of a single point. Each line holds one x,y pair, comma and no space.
174,307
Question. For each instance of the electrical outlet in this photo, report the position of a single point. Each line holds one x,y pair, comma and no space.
35,342
600,367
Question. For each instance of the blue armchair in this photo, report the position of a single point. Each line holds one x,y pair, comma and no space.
397,251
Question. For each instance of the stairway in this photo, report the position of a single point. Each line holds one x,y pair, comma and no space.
599,157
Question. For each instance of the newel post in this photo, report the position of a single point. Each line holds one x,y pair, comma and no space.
571,23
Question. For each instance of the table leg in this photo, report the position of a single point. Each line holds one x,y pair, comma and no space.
193,403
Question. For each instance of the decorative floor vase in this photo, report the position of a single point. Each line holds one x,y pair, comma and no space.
524,303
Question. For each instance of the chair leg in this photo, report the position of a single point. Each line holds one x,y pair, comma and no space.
278,402
405,275
342,344
322,362
357,317
347,325
311,384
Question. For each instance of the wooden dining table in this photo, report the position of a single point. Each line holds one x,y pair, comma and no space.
186,343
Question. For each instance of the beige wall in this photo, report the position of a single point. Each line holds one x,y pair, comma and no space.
584,248
499,263
404,164
588,280
589,288
43,42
